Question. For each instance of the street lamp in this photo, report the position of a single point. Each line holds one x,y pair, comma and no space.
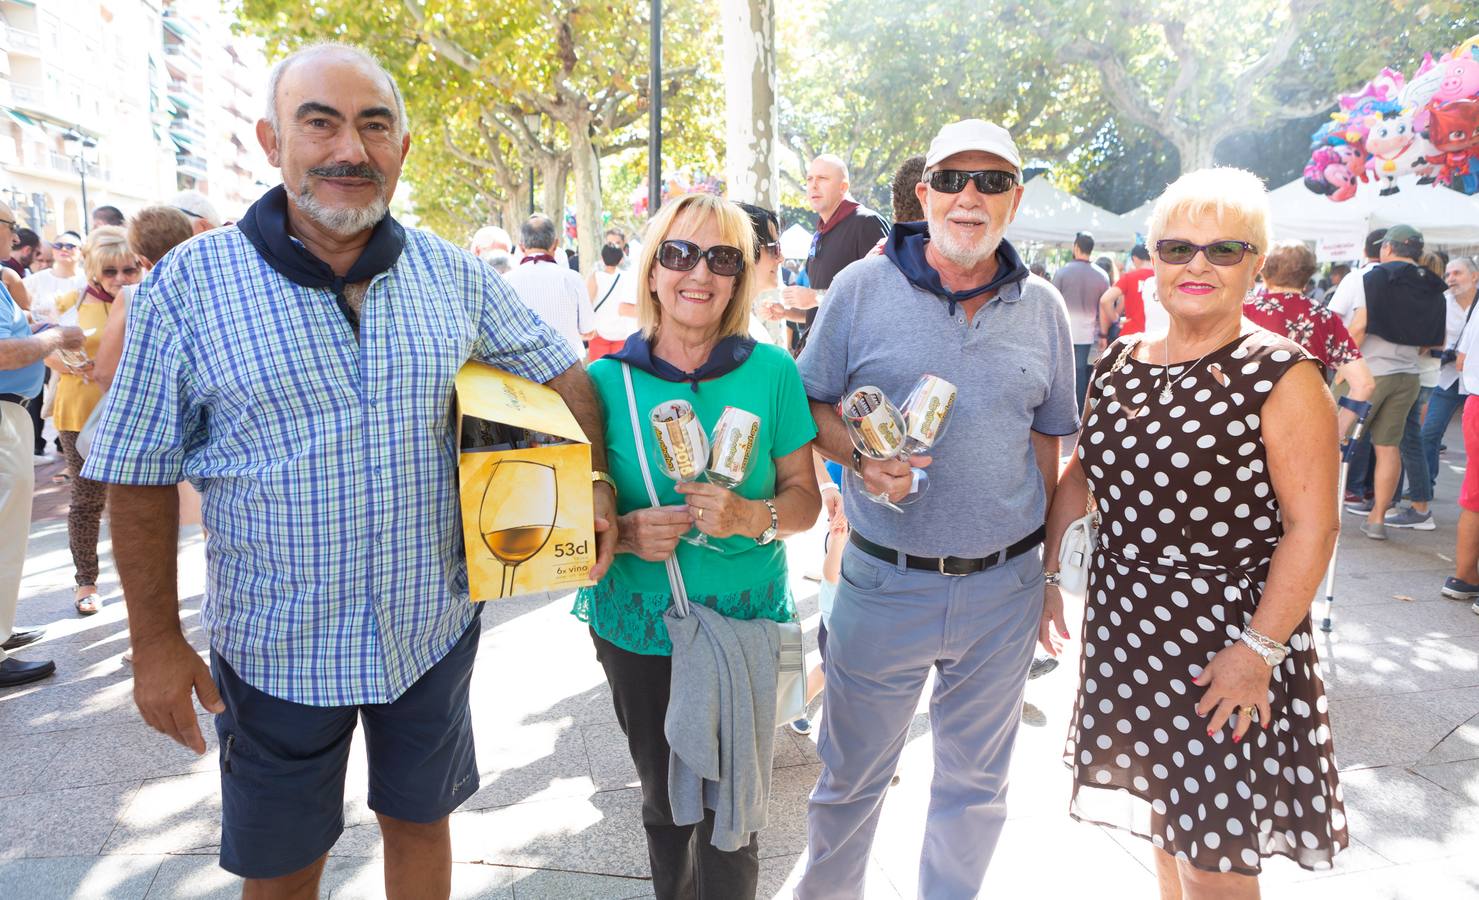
83,151
532,122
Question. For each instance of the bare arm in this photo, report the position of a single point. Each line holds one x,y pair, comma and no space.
16,353
110,345
1046,448
1357,328
574,387
1298,427
1300,440
146,531
1109,309
17,288
1358,375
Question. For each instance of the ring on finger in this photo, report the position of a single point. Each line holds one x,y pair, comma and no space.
1251,712
699,515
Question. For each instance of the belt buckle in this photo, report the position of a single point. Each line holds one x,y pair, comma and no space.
940,564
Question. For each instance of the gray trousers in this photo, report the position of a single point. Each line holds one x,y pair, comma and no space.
889,627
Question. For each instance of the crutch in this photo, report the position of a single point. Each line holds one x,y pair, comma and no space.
1347,449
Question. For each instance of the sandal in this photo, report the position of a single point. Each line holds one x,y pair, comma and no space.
87,604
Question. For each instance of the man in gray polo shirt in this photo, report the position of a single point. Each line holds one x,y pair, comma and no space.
955,581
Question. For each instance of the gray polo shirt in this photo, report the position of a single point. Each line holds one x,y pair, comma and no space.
1013,367
1082,284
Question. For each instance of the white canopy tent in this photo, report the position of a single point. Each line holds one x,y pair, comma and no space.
1049,215
1139,217
795,242
1443,216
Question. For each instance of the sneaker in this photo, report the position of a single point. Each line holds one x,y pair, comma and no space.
1407,517
1376,531
801,726
1359,509
42,459
1474,608
1041,666
1458,589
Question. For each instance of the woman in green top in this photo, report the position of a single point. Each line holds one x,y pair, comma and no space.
695,286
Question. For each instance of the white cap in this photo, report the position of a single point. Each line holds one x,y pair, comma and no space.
973,134
195,205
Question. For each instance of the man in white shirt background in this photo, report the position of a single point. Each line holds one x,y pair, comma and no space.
551,288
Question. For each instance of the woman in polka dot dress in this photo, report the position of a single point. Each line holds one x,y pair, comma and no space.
1210,456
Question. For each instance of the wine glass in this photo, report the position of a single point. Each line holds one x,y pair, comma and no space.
518,514
877,430
682,446
926,412
731,454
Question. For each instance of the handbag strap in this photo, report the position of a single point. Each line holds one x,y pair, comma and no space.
675,575
606,296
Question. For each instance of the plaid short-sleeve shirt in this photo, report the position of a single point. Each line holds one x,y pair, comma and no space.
327,465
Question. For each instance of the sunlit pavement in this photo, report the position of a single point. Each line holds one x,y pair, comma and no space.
97,805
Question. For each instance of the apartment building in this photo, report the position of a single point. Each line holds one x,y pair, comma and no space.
156,96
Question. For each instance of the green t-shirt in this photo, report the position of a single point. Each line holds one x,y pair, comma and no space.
745,580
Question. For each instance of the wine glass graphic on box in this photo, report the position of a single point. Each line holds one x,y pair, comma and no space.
518,513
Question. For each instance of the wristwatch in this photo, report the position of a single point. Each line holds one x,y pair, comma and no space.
857,462
768,534
597,476
1050,579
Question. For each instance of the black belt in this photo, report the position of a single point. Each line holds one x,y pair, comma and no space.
13,398
951,565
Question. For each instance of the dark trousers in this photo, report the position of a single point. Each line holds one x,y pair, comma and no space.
34,407
685,865
1415,475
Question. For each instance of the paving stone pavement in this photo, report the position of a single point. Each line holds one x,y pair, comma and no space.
95,805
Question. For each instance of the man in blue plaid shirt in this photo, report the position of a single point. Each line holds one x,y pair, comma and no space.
298,368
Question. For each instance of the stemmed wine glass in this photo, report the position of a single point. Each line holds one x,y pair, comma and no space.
518,514
682,446
877,430
731,454
926,412
880,430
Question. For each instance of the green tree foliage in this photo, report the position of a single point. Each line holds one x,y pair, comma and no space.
1120,96
872,82
494,89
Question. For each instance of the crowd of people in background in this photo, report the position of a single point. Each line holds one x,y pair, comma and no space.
71,285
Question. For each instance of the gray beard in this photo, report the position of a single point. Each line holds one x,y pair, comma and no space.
342,222
963,255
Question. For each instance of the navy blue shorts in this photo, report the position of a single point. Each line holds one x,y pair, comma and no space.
283,763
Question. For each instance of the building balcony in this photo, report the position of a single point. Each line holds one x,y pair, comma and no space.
190,164
27,96
19,40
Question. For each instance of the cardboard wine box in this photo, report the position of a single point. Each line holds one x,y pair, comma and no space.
524,474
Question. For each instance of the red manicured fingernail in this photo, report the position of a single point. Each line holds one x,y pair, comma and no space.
1209,733
1065,633
1236,738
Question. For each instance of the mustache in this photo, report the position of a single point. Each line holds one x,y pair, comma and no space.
346,170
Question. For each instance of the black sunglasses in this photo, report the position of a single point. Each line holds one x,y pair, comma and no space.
992,181
1219,253
63,245
683,256
127,272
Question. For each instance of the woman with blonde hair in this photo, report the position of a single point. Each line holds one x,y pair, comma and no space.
694,285
1209,454
109,265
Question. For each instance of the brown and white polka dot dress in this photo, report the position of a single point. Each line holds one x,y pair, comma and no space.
1189,523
